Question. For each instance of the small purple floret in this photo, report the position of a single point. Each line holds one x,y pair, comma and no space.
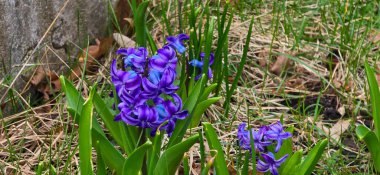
270,163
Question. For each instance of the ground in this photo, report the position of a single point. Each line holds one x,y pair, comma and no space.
304,66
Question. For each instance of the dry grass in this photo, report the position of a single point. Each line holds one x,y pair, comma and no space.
29,137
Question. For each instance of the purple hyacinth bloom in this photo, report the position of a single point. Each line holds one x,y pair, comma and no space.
165,58
199,64
134,58
170,111
176,42
129,101
270,163
276,132
129,80
258,138
158,83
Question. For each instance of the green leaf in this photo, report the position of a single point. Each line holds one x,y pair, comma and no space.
111,156
114,127
245,169
155,154
85,139
372,143
200,109
182,125
375,98
312,158
212,140
194,95
289,167
100,164
75,102
140,23
286,148
171,158
133,164
207,91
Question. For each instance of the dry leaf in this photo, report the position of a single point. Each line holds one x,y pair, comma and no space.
342,110
123,40
337,130
94,52
38,76
281,64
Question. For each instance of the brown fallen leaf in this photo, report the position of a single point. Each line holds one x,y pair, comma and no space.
123,40
281,64
337,130
93,52
38,76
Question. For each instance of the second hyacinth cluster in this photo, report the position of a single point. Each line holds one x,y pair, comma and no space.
146,87
266,136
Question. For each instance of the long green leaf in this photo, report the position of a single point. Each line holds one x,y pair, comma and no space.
155,154
207,91
286,148
375,98
212,140
200,109
134,162
171,158
290,166
140,23
111,156
182,125
312,158
372,143
114,127
75,102
85,139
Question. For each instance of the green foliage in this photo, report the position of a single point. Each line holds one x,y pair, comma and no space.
134,162
213,142
371,138
85,139
171,158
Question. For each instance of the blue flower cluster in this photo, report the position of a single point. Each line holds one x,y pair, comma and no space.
146,87
263,138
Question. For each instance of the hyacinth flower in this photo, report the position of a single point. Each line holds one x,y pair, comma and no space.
270,163
258,137
276,132
134,58
177,42
263,138
199,64
128,80
157,83
166,58
146,88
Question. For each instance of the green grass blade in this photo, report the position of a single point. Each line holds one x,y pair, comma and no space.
240,69
245,169
213,141
375,98
85,139
134,162
200,109
372,143
312,158
171,158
